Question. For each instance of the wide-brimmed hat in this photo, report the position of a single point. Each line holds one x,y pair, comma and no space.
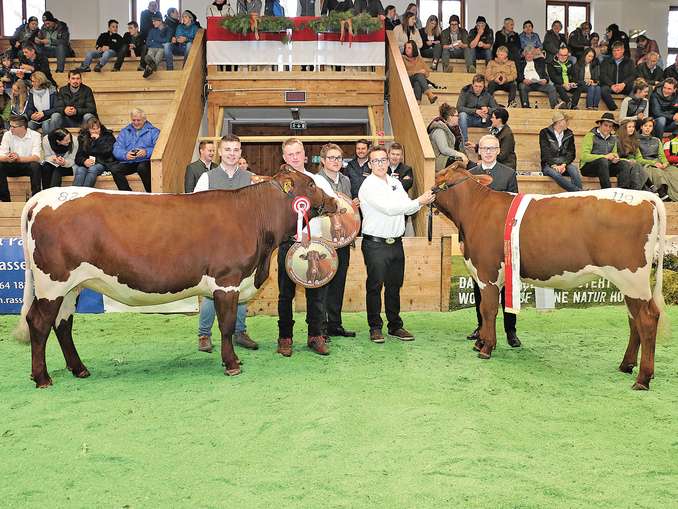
558,116
607,117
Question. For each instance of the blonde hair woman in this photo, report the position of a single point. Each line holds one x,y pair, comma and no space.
42,112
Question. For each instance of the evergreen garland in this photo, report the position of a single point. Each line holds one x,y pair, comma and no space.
362,23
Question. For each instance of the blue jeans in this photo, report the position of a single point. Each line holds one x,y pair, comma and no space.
208,313
662,125
593,96
572,184
87,177
103,57
59,52
177,48
467,120
481,53
47,125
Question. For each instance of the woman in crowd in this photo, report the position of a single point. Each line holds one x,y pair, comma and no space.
430,37
407,31
42,104
417,70
95,153
59,149
219,8
392,19
636,105
663,175
529,37
20,98
587,76
412,8
446,146
553,40
628,149
5,110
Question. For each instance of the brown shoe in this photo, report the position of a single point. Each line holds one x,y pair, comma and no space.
318,345
401,334
285,347
242,339
376,336
205,344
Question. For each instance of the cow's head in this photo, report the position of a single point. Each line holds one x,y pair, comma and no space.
296,184
313,258
453,186
456,174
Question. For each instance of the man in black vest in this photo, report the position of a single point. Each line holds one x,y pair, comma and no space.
195,170
225,176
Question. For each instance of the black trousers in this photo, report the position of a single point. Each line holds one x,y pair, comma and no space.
509,318
315,301
571,96
334,297
51,175
19,170
509,87
606,95
124,52
120,170
385,269
604,169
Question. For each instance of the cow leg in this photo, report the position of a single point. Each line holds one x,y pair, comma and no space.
646,318
630,359
40,318
489,304
226,306
63,328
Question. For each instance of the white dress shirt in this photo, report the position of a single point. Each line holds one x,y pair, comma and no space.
29,145
384,205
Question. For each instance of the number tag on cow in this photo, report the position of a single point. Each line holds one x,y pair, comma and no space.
341,229
311,266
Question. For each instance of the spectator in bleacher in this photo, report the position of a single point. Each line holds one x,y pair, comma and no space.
224,8
475,105
418,72
24,33
532,77
133,45
508,38
430,38
172,20
95,153
446,147
529,37
247,7
664,107
481,38
579,40
412,8
181,41
20,99
204,163
76,101
650,70
392,19
599,157
637,104
59,149
31,61
357,168
107,46
628,149
587,77
501,74
8,72
663,175
558,151
561,72
133,149
397,168
672,70
53,40
554,40
600,47
407,31
507,142
43,112
19,155
243,164
644,47
5,111
454,42
155,45
146,19
616,75
613,35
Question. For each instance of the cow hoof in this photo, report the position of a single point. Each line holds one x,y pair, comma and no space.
43,382
478,345
83,373
640,387
483,355
232,372
626,368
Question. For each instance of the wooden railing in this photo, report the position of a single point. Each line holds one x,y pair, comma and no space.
174,148
408,127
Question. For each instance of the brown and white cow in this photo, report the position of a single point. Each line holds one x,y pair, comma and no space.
566,240
141,249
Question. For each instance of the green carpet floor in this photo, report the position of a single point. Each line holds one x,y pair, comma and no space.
401,425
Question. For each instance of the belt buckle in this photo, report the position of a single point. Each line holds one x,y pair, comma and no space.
390,241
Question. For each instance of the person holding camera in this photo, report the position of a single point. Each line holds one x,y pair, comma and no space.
133,149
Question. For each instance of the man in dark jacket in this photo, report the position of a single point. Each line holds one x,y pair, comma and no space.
672,70
107,46
650,71
561,72
614,35
31,61
133,45
455,43
23,34
509,38
475,105
664,108
197,168
357,168
146,19
616,75
558,151
532,77
155,45
580,39
554,40
53,40
397,168
76,101
480,40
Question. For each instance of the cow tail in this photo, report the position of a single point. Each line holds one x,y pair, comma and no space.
663,326
21,332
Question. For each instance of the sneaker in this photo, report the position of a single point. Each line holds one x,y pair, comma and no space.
401,334
514,104
205,344
376,336
82,69
318,345
148,71
97,68
285,347
115,69
242,339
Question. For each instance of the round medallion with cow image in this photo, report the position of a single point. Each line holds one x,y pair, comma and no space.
312,265
341,229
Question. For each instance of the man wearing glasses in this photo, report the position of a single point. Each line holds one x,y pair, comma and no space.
384,203
19,155
503,179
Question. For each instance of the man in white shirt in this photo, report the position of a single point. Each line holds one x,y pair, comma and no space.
384,204
533,77
19,155
294,155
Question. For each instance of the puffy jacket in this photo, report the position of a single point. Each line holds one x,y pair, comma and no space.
611,73
157,37
187,31
551,153
469,102
552,43
578,41
101,148
508,69
594,146
83,100
511,41
555,71
53,106
130,139
661,106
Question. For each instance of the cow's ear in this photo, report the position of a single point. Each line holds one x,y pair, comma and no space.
485,180
288,185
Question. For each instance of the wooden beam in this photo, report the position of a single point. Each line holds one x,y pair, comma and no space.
220,122
313,138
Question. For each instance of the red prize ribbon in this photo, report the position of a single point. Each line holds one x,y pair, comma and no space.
301,205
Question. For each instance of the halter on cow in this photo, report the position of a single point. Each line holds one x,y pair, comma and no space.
566,240
123,245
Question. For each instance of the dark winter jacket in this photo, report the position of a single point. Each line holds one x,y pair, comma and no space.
404,174
145,23
486,38
661,106
469,102
539,66
137,40
390,24
555,71
113,41
512,43
503,177
611,73
39,63
671,72
171,24
552,43
22,35
652,77
578,41
507,147
101,148
579,69
53,107
446,36
356,174
551,153
82,100
157,37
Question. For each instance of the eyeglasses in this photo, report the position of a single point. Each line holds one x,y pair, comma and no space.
15,126
335,159
487,149
381,161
